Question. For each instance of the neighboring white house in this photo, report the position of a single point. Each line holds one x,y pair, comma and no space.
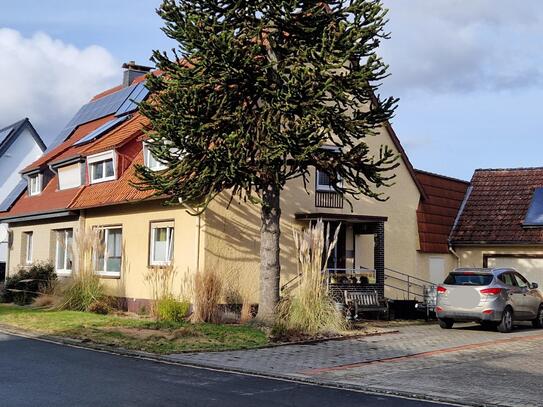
20,145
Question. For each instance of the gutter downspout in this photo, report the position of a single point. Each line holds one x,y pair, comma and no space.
456,220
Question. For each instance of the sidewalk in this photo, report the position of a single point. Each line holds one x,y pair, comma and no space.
466,365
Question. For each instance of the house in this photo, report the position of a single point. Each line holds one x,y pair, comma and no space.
20,145
85,183
501,221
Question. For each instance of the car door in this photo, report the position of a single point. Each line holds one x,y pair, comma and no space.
516,296
530,297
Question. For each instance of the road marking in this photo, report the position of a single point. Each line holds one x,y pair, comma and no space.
318,371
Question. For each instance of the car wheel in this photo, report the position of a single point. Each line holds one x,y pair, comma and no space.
446,323
538,322
506,324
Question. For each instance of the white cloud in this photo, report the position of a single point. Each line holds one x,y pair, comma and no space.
464,46
47,80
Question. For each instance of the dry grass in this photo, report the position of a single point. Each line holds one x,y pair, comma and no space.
84,287
309,309
207,294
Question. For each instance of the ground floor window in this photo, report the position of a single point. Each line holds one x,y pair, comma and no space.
161,244
109,258
28,245
64,251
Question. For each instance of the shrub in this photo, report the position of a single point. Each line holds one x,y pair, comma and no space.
84,287
171,310
310,310
207,294
102,307
41,277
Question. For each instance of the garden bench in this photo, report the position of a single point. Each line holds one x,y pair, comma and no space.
365,301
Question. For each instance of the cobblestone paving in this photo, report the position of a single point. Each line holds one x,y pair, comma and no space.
467,364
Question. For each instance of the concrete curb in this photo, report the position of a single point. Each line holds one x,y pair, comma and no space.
75,343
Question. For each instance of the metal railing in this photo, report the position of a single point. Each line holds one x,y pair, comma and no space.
412,286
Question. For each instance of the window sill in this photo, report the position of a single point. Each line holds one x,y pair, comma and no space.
64,273
109,274
99,181
160,264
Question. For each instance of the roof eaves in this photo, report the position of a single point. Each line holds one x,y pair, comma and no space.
16,129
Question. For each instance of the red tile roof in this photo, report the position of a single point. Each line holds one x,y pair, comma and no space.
437,212
50,200
67,148
496,207
114,192
119,136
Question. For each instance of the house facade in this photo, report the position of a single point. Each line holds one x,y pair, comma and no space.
85,184
20,145
501,222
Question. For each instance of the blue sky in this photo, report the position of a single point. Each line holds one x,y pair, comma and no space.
468,74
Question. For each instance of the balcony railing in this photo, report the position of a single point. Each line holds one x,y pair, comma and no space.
328,200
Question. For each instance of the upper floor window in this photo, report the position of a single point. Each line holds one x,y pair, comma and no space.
69,176
324,183
150,161
63,251
102,167
34,184
109,256
161,250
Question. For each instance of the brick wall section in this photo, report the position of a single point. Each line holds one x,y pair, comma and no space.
379,258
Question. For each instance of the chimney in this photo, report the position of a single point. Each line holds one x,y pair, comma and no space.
133,71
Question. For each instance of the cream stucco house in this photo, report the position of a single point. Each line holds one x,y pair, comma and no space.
85,183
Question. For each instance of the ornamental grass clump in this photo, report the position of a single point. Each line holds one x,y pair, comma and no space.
309,310
83,288
207,294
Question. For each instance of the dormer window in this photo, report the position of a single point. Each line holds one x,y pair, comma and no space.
34,184
102,167
150,161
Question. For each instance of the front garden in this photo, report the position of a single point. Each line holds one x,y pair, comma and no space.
131,331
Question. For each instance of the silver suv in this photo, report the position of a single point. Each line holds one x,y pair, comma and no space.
492,297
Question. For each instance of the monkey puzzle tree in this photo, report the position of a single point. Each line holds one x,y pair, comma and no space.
259,92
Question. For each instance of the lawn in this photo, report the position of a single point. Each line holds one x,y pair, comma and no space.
133,332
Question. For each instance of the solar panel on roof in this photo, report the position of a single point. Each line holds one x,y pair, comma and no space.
97,109
100,131
534,216
131,103
7,203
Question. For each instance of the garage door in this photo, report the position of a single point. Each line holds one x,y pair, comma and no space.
531,268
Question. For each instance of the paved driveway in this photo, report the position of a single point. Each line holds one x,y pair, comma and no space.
467,364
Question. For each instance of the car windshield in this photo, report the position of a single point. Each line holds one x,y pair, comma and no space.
468,279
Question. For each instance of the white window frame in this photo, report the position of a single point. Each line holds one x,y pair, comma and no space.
147,154
170,241
64,270
38,184
325,187
29,244
93,160
101,269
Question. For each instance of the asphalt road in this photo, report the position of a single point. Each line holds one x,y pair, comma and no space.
35,373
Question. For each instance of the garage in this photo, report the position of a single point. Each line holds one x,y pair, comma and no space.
530,266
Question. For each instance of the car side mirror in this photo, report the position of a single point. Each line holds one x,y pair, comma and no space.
534,285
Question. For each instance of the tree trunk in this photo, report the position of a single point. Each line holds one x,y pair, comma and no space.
270,268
